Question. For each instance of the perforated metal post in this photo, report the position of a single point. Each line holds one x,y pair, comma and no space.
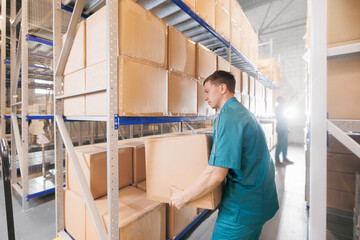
24,100
112,132
58,143
3,73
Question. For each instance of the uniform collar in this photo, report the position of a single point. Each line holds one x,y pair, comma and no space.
231,100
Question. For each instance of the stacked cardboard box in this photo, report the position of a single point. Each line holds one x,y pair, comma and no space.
142,46
238,80
222,18
269,102
342,165
245,90
343,28
135,214
270,68
205,65
260,99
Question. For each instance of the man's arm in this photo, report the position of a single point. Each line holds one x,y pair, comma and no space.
209,179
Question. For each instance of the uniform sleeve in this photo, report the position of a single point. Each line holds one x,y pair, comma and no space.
227,148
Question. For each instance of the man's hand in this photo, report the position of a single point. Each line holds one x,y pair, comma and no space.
178,198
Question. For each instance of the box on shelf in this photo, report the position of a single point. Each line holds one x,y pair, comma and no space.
181,53
203,108
76,59
236,37
345,163
340,200
252,83
206,10
343,87
222,22
142,34
339,181
191,4
245,83
205,62
74,214
182,95
334,146
225,4
74,83
142,88
236,12
139,173
135,214
238,78
252,104
343,28
92,159
96,77
189,155
245,100
222,64
141,185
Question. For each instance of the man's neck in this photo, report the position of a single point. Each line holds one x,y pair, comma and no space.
225,99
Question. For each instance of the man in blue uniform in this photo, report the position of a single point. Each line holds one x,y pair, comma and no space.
240,155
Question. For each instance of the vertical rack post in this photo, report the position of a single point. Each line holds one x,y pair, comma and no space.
3,73
318,71
13,86
24,100
112,110
58,144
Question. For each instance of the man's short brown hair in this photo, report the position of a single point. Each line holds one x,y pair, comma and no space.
222,77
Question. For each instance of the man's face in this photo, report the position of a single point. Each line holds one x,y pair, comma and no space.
212,94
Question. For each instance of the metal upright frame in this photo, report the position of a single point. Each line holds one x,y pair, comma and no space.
2,70
319,125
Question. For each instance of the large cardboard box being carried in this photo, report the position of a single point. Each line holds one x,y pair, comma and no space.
168,160
93,163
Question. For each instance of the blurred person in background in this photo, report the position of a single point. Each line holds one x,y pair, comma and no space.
282,133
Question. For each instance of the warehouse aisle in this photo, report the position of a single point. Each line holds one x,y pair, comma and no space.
291,219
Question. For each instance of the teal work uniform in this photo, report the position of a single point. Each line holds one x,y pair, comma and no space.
250,196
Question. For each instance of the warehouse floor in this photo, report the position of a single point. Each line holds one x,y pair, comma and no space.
290,222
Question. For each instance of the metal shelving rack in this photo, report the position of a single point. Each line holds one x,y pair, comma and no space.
319,123
3,75
185,21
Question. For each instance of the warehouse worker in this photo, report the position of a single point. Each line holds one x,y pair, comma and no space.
240,155
282,132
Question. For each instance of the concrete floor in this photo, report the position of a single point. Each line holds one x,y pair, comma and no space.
290,222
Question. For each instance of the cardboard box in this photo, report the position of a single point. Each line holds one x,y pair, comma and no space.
343,19
236,12
238,77
343,87
340,200
141,185
93,162
139,173
135,214
96,77
225,4
76,59
178,220
142,88
74,83
252,104
205,62
236,37
222,22
334,146
345,163
245,83
181,53
96,47
344,182
142,34
74,214
245,100
182,95
252,86
206,10
189,155
222,64
203,108
191,4
238,96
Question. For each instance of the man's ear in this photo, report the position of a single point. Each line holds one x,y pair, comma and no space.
223,88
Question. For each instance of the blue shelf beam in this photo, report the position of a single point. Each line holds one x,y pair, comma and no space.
38,40
151,120
191,225
70,10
